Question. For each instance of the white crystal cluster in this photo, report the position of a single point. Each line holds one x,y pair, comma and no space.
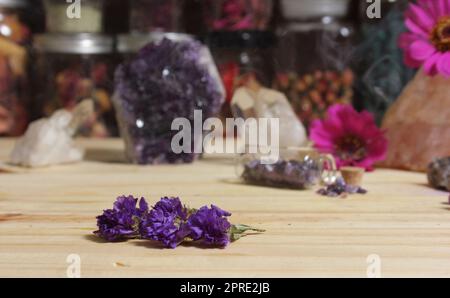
49,141
268,103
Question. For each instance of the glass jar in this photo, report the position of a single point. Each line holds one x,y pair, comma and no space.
156,15
313,56
296,168
117,20
14,37
130,44
299,10
73,67
242,57
235,15
64,17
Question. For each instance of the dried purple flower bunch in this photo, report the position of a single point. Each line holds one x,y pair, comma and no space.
340,188
287,174
123,221
168,222
166,80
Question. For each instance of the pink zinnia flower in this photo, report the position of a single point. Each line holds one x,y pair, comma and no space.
427,43
352,138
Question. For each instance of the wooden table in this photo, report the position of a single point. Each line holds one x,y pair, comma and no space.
48,214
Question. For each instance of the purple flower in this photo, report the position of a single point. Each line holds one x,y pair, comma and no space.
166,222
210,225
121,222
172,206
169,222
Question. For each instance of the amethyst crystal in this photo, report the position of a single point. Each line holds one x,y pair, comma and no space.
122,222
167,80
340,188
288,174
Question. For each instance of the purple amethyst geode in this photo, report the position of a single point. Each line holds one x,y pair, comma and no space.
166,80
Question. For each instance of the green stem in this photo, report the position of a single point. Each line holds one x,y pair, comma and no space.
238,231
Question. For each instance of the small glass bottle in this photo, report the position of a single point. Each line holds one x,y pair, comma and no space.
296,168
74,67
313,56
14,37
64,17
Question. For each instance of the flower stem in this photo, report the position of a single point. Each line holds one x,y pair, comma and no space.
237,231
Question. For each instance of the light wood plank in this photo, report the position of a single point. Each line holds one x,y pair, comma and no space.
47,214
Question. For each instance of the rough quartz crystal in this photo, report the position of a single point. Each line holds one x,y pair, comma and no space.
418,124
267,103
439,173
48,141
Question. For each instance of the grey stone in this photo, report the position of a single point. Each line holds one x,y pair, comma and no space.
439,173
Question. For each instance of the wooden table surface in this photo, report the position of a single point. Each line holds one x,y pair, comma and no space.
48,214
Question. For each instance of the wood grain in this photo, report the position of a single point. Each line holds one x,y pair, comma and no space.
47,214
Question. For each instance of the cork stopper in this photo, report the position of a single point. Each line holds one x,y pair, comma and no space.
352,175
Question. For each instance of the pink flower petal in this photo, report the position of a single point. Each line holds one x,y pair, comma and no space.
443,65
409,61
415,28
319,134
420,17
441,7
344,120
430,7
420,50
406,39
430,65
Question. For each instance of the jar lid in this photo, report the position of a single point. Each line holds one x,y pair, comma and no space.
13,3
307,9
82,43
132,43
241,39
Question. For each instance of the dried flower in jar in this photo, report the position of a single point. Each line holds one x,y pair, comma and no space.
312,94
